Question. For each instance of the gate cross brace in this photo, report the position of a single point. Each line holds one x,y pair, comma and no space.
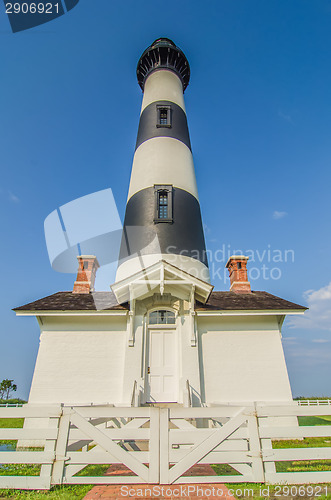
206,446
107,444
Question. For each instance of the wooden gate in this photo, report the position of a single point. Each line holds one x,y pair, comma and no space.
159,445
227,435
108,435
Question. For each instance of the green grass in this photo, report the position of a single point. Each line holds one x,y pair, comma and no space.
304,466
7,423
76,492
321,420
93,470
15,423
225,470
316,442
19,470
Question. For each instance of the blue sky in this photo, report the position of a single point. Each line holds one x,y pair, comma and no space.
258,106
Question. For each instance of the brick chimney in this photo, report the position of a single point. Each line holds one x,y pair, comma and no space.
237,266
87,268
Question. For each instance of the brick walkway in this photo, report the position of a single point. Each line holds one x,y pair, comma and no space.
209,491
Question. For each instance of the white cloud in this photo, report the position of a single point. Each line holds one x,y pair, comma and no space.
321,341
319,314
278,215
12,197
290,340
307,352
287,117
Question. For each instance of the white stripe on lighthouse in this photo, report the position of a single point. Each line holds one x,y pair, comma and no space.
163,160
163,85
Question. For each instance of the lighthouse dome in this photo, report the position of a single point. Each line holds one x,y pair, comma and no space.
163,54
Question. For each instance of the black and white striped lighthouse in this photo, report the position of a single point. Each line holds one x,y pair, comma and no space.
163,218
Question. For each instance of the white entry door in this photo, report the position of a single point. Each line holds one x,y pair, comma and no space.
162,368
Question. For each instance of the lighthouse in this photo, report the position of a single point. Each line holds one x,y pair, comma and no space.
161,335
163,217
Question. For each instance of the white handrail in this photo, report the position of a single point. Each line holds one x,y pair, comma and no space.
135,395
187,395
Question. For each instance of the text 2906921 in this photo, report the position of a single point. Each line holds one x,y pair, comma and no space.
32,8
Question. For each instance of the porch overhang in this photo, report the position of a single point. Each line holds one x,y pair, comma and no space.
161,277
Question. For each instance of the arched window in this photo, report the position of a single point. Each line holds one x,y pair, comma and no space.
162,317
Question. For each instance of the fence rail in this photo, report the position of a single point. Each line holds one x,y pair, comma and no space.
160,445
11,405
314,402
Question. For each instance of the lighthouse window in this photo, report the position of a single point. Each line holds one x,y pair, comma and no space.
163,116
163,204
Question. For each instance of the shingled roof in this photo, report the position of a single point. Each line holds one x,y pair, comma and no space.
68,301
218,301
246,301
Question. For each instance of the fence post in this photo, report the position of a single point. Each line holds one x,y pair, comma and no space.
164,445
61,447
46,470
255,447
154,445
269,467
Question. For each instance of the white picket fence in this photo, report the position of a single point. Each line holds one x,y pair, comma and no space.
159,445
314,402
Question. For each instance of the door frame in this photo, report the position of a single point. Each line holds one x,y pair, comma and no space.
175,329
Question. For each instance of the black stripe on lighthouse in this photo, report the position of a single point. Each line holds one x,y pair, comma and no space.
184,236
149,126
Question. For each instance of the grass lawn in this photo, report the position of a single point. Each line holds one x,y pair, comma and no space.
317,442
76,492
7,423
321,420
